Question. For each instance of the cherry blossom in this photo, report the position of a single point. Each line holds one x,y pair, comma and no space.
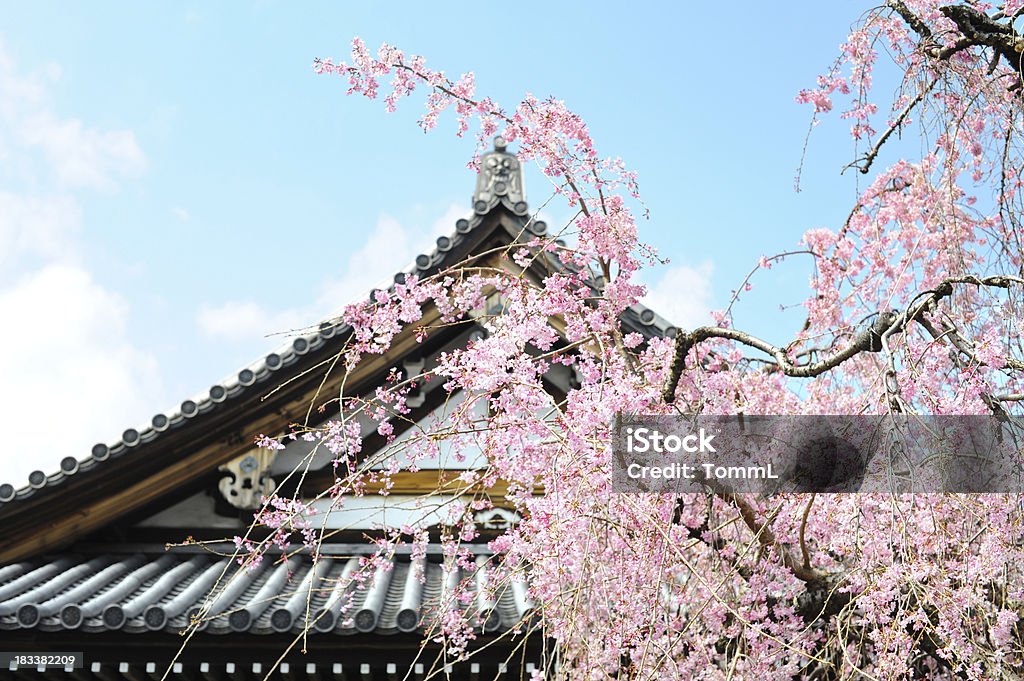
913,308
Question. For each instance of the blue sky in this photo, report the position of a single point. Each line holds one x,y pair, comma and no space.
176,183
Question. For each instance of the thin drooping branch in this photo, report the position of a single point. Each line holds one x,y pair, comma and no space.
864,164
962,345
869,340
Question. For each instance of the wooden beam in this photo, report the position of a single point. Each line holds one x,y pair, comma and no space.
427,481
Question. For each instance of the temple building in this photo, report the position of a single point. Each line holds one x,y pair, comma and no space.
112,556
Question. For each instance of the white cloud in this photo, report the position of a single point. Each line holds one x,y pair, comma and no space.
181,214
64,354
65,349
683,295
389,248
74,154
245,320
83,157
19,89
32,225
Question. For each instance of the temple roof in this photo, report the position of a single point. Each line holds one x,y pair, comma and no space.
213,427
127,610
64,586
143,591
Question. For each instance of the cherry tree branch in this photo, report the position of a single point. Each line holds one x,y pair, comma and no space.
763,531
928,45
981,29
803,531
864,164
869,340
686,340
978,29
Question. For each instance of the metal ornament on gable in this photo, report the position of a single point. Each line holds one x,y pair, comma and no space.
248,480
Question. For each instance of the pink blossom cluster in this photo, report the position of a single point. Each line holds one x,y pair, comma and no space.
717,586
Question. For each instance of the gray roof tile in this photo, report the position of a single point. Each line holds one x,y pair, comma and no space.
139,592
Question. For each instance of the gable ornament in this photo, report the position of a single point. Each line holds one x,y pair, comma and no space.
248,480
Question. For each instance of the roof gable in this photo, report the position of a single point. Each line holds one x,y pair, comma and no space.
173,457
178,448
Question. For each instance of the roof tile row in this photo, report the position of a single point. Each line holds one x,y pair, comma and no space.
144,592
